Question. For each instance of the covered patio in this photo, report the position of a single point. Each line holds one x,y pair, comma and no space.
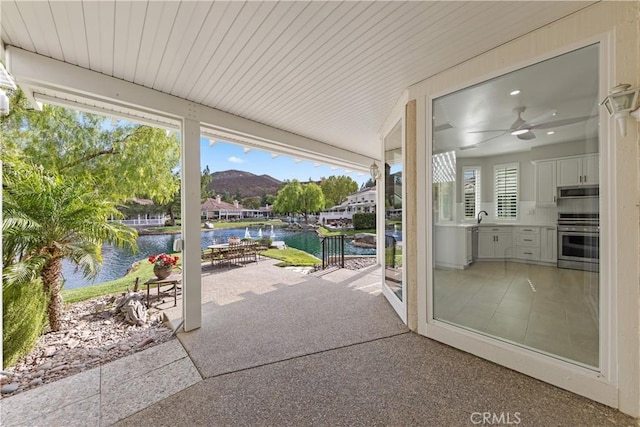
283,348
353,85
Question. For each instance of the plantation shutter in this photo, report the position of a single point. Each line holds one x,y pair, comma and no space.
506,191
471,192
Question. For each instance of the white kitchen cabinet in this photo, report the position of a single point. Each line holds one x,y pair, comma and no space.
546,183
453,248
527,240
548,244
581,170
495,242
591,169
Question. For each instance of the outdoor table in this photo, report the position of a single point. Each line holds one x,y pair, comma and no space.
174,280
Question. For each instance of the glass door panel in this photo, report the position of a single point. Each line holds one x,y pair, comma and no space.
513,259
393,207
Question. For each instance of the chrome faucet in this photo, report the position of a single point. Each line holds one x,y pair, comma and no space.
479,217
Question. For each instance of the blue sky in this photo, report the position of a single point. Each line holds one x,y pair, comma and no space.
224,156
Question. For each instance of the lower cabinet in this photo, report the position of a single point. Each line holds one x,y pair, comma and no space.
548,244
495,242
528,243
452,247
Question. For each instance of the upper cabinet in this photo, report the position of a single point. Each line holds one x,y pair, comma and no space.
582,170
545,183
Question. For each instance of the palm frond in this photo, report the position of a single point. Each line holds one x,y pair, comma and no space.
24,271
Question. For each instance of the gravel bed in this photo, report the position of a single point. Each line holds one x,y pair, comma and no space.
92,334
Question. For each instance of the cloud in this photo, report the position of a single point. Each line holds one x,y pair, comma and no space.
234,159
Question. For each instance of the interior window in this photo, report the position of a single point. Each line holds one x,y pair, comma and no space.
506,191
472,188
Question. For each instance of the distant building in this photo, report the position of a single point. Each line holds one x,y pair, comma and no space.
217,209
362,201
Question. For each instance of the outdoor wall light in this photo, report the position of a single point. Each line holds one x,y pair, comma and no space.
622,102
374,170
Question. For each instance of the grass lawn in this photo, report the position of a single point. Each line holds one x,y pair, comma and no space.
142,269
291,257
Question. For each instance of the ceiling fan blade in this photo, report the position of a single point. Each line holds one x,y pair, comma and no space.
526,136
563,122
541,118
444,126
469,147
488,130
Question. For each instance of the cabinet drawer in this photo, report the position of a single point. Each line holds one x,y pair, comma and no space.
494,229
528,253
535,230
527,239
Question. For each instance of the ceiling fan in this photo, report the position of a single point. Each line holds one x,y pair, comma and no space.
523,129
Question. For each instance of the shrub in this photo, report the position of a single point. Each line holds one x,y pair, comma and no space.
23,319
265,241
364,221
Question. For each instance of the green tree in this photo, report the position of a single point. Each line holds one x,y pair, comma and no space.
205,180
251,202
123,160
336,189
297,198
370,183
48,217
174,205
288,198
311,199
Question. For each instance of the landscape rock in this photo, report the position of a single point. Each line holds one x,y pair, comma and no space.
9,388
35,381
49,351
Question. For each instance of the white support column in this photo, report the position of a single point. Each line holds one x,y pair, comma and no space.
191,268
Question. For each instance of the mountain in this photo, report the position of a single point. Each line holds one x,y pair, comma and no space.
245,183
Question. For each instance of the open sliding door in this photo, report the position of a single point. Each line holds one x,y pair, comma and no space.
394,284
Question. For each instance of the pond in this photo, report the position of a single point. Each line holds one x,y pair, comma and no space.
116,262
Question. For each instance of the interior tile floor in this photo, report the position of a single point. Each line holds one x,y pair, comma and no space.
549,309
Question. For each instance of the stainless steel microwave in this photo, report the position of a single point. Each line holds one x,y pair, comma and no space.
578,192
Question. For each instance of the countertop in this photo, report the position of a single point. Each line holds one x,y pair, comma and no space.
489,224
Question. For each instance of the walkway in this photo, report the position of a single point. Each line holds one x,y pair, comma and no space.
281,348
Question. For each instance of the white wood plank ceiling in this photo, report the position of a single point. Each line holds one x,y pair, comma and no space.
330,71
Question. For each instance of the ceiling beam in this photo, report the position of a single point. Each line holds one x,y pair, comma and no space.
39,71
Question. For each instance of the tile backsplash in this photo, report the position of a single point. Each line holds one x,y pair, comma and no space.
530,214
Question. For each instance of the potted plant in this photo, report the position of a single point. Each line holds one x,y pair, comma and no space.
163,264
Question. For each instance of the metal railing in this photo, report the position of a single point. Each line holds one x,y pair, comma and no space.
333,251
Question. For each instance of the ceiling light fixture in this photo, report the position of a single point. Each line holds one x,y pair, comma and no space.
520,131
550,132
620,102
514,92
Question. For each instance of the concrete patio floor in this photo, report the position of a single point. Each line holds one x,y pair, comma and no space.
281,348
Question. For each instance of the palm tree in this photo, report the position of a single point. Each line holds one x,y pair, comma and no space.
47,218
